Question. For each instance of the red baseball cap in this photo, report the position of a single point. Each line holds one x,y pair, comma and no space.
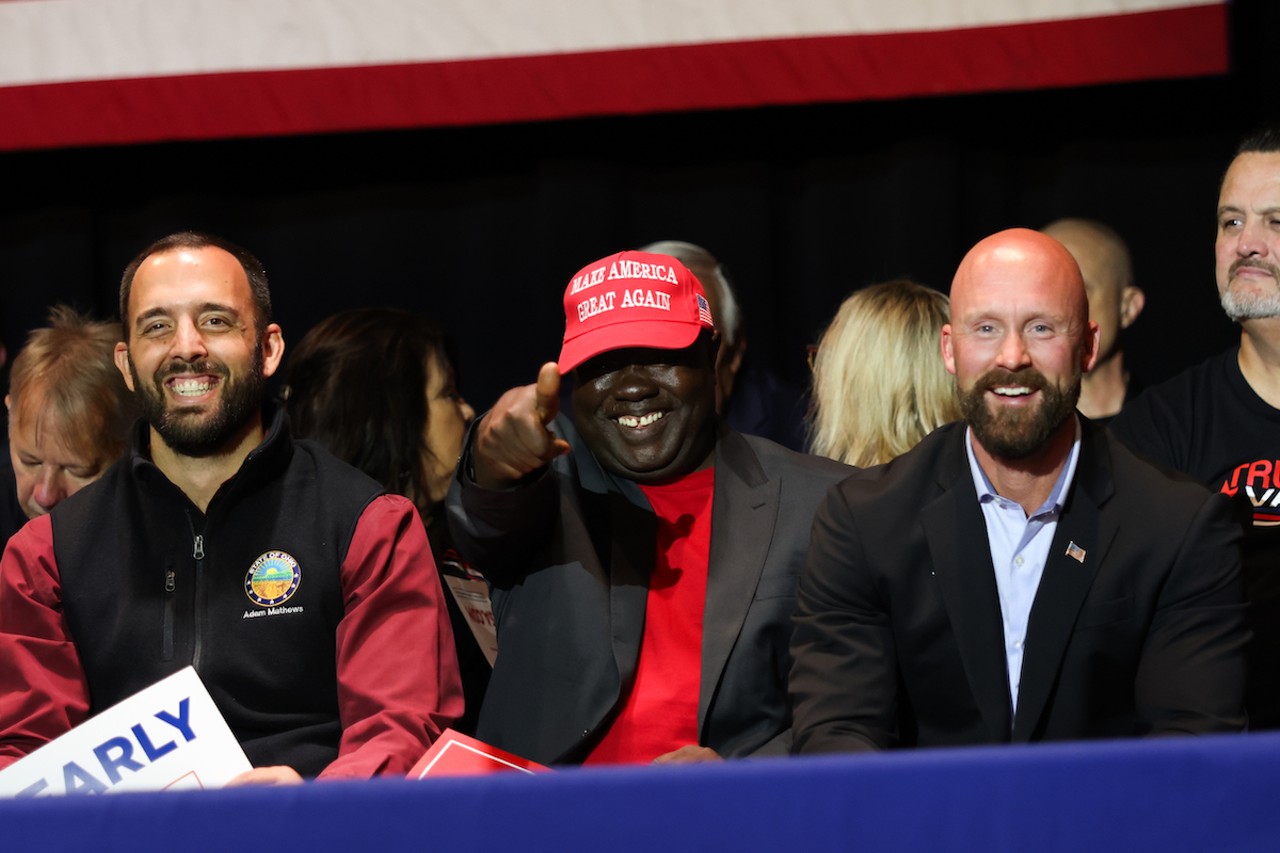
631,299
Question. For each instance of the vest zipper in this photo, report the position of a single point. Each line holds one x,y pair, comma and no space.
197,552
170,584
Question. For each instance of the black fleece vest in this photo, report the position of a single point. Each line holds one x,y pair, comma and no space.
250,594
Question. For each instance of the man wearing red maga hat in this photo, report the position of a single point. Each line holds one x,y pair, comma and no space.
643,556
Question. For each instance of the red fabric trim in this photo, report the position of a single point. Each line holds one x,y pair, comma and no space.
1152,45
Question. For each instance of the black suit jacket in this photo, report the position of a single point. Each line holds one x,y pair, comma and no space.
899,638
569,555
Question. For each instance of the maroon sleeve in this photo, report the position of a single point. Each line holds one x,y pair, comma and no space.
43,693
398,681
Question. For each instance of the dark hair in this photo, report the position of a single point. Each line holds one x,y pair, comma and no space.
1263,140
252,267
357,384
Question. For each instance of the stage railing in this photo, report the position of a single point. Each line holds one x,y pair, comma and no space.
1175,794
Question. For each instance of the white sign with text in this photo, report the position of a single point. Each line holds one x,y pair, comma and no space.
169,735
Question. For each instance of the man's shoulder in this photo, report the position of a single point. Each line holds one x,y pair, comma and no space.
1145,485
1204,421
778,460
1184,391
33,538
1130,468
946,443
937,459
1153,507
315,456
106,490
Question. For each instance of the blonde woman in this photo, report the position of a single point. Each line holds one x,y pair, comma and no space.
879,385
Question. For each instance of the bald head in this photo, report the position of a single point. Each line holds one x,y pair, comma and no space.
1018,342
1014,265
1107,268
1096,247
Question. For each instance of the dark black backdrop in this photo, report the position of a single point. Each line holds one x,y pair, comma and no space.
483,226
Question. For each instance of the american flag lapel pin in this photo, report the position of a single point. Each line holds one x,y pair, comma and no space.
1075,552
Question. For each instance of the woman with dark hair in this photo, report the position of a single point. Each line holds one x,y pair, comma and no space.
376,386
356,385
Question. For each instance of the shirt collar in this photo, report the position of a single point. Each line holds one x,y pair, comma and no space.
986,492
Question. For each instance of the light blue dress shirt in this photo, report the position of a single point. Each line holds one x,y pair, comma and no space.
1019,548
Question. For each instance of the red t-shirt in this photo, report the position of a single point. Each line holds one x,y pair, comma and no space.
661,711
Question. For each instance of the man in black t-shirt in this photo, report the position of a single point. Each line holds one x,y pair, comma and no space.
1220,421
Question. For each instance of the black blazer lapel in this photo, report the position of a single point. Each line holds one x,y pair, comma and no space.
623,532
631,558
957,537
744,494
1079,545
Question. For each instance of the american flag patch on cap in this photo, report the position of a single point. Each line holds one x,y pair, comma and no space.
704,311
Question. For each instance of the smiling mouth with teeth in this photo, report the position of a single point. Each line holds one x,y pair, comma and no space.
635,423
191,387
1018,391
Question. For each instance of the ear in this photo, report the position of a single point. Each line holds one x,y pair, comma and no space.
8,405
272,349
948,357
728,363
122,364
713,346
1089,352
1132,301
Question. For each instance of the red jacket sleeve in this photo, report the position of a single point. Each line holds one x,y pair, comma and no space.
43,693
398,681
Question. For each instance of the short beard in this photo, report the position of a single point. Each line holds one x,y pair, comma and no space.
1251,305
1017,433
185,432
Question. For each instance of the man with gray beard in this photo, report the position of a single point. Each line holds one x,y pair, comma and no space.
1018,576
1220,420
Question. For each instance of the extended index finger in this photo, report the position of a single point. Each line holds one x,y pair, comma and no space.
547,392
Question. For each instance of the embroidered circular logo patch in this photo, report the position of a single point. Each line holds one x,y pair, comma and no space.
272,579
